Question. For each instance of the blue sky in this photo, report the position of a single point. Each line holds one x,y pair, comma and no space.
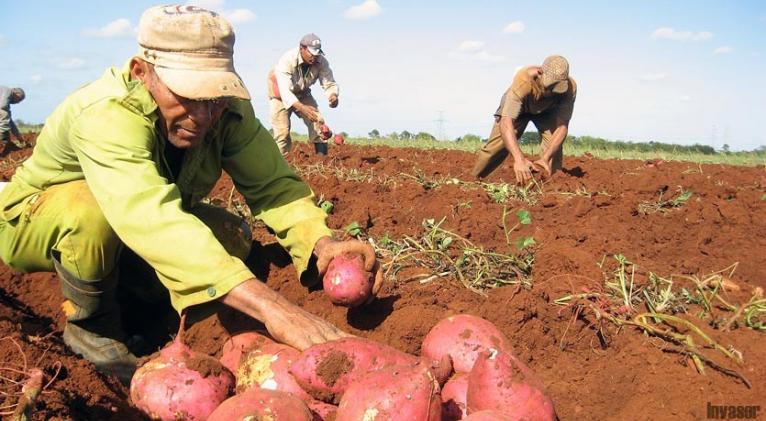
681,71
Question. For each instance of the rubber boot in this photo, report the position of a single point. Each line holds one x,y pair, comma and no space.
94,329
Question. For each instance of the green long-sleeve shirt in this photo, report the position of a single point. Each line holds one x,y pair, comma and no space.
106,133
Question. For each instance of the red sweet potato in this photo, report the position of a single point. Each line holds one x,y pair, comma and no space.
326,370
180,384
268,367
463,337
490,415
236,345
262,404
453,398
346,282
499,381
322,411
392,394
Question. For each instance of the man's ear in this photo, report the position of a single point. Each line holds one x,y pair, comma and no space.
138,69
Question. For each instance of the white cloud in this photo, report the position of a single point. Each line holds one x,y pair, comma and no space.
653,77
482,56
35,79
116,28
670,33
725,49
239,15
488,57
471,45
685,98
70,63
515,27
366,10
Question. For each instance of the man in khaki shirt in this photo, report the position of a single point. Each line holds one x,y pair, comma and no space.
289,91
543,94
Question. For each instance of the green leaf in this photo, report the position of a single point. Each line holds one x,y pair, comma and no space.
353,229
327,206
524,217
524,242
763,197
445,242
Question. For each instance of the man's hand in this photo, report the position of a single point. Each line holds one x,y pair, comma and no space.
307,111
286,322
544,165
523,169
333,101
327,248
301,329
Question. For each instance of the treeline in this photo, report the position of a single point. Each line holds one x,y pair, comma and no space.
601,144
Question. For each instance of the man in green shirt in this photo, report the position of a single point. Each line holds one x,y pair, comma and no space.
125,162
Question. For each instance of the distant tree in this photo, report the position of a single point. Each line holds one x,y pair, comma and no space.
374,134
469,138
405,135
424,136
529,138
394,135
344,134
726,148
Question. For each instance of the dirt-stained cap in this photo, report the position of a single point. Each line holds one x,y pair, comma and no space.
192,50
313,44
556,72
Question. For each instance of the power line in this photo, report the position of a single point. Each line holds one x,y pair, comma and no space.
440,135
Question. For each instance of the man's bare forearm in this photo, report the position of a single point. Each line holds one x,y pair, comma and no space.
508,134
556,141
253,298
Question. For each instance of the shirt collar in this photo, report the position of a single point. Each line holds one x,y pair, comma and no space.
138,97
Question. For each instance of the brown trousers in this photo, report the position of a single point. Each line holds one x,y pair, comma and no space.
493,153
280,117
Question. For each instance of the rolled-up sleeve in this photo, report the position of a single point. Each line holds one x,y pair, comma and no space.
274,193
327,79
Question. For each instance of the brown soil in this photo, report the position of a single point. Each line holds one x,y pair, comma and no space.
590,373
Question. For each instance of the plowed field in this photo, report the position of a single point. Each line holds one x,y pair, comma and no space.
581,218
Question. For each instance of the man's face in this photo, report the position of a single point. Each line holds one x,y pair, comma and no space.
184,121
307,56
16,97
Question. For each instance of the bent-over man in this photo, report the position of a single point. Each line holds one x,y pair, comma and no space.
289,90
124,163
9,96
544,95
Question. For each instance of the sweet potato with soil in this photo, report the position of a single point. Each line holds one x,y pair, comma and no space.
392,394
180,383
490,415
453,398
322,411
262,404
326,370
239,344
499,381
463,337
268,367
346,282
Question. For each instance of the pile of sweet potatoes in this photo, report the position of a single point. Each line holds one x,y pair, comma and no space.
467,370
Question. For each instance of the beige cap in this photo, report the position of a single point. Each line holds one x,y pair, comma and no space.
192,50
556,72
